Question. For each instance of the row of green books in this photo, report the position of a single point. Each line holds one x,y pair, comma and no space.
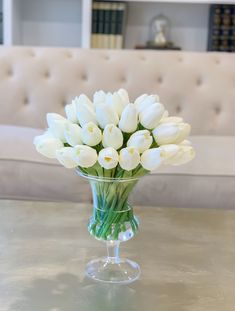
108,24
221,36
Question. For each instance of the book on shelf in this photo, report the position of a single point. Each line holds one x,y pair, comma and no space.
1,28
221,34
108,24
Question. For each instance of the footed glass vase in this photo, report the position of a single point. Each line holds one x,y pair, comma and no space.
112,222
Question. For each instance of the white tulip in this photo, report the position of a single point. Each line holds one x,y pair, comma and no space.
71,112
129,158
140,99
47,134
115,101
72,134
57,125
150,116
124,96
141,140
85,114
186,143
65,157
165,115
171,120
184,155
171,133
184,131
112,137
106,114
108,158
129,119
90,134
168,151
145,101
84,156
51,117
99,97
47,145
151,159
83,99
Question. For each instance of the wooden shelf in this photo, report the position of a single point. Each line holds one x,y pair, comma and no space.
181,1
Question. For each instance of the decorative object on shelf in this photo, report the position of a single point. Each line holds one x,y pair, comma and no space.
108,21
159,33
221,34
113,143
160,30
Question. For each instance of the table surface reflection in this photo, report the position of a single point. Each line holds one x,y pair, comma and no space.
187,258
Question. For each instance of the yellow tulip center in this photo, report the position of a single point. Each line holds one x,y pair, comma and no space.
131,150
108,159
90,129
146,135
110,129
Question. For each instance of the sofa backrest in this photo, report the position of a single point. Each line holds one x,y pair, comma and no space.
198,86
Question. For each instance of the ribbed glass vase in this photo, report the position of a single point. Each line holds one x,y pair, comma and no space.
113,222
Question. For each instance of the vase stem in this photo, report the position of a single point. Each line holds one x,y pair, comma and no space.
113,251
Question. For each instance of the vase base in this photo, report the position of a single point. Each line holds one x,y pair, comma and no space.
107,270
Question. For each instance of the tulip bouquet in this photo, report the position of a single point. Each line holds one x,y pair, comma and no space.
112,139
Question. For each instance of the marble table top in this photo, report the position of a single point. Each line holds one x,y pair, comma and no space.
187,258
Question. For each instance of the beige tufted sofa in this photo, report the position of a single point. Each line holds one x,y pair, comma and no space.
198,86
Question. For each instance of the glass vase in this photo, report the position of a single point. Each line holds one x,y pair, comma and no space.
112,222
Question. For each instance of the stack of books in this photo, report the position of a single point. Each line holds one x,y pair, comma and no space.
221,36
108,21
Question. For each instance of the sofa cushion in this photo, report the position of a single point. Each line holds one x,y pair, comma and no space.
25,174
208,181
214,156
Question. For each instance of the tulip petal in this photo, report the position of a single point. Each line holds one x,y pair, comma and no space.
108,158
151,159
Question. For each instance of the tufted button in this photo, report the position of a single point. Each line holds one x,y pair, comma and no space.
47,74
26,101
106,57
84,77
32,53
180,59
199,81
68,54
160,79
217,61
217,109
142,57
10,72
178,109
123,79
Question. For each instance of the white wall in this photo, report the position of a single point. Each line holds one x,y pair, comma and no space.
51,22
189,23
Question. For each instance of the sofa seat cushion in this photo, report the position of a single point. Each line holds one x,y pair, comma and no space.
214,156
207,181
25,174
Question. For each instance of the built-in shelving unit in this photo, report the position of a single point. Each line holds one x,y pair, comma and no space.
68,22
